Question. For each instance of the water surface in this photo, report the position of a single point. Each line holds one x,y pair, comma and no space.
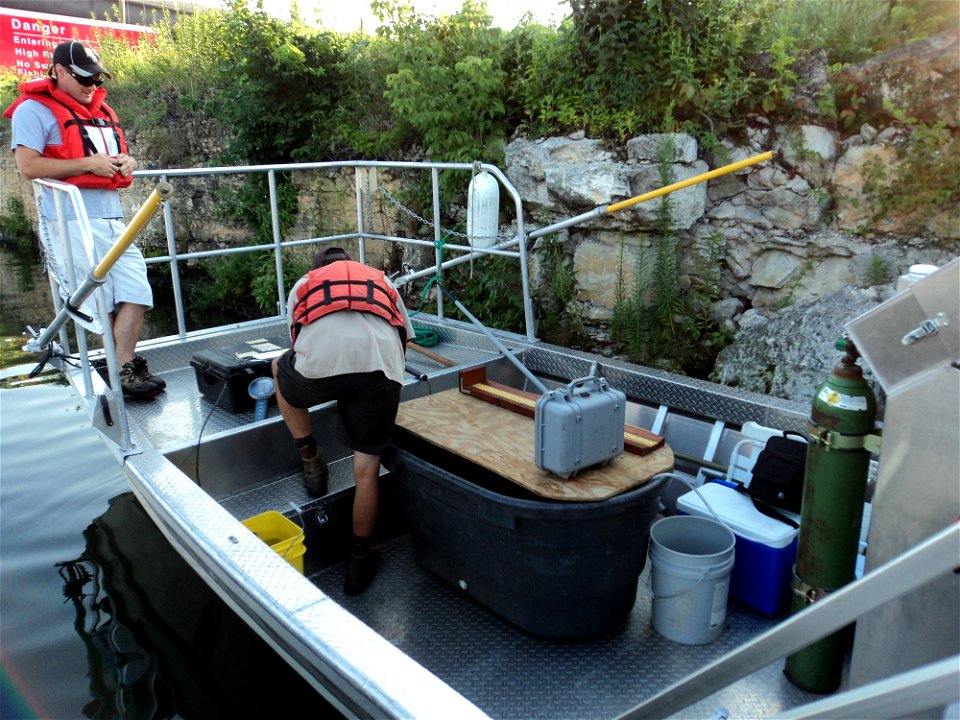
99,617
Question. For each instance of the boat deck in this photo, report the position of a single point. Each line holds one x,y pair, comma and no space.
501,668
176,417
505,671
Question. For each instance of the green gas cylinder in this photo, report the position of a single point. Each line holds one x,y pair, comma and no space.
842,418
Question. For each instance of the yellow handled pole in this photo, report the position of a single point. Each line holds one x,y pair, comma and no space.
599,212
97,276
150,206
732,167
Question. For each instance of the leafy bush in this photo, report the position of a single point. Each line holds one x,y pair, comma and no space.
448,85
617,69
16,227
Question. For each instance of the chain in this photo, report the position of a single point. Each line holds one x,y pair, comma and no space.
52,261
429,223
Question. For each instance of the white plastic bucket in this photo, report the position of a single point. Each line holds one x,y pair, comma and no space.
691,559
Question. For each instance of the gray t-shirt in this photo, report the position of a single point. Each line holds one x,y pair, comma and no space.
35,127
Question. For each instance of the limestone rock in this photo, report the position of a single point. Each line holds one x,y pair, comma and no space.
922,78
792,353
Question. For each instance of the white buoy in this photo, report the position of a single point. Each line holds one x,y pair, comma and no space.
483,210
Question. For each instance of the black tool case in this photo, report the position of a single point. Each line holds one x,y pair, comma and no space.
224,375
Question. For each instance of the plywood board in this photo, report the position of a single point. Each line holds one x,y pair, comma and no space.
503,442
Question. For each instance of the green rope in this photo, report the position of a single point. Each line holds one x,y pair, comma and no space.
425,337
438,245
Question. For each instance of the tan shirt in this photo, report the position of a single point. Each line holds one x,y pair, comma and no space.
349,341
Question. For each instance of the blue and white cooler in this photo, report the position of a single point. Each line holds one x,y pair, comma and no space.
766,548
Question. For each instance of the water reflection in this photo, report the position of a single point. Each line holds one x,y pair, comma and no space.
159,643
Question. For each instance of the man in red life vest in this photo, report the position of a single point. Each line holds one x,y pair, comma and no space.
64,130
349,329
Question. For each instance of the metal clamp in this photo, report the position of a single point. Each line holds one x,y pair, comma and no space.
837,441
808,593
928,327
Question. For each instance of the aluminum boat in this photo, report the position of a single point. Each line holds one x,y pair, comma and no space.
417,646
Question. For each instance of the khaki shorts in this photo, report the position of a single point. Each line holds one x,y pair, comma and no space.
127,280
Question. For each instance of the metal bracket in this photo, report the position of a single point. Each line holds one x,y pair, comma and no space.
831,440
928,327
808,593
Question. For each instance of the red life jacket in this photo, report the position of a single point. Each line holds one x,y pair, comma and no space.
346,285
74,118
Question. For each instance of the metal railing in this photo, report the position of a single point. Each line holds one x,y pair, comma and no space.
515,247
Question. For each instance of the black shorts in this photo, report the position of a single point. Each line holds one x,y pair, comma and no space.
367,402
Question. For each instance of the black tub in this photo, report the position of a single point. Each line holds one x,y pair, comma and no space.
561,570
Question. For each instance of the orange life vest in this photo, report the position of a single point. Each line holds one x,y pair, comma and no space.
346,285
74,119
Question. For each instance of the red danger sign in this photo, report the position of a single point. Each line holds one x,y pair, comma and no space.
27,39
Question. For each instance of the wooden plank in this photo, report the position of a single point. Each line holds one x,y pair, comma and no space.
503,442
636,439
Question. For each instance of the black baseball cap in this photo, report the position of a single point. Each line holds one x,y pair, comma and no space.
325,256
81,59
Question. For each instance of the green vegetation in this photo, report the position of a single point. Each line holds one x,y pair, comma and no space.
878,272
15,226
455,88
559,318
658,323
923,182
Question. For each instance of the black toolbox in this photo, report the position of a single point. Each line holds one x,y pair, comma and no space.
224,375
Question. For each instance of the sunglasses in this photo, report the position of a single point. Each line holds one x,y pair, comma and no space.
97,80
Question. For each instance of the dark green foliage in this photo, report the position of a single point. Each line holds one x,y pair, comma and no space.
490,289
617,69
448,85
282,83
558,313
658,324
16,228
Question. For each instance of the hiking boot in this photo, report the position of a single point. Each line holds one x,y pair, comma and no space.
315,475
134,386
140,363
361,570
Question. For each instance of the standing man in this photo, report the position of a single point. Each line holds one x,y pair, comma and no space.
64,130
349,331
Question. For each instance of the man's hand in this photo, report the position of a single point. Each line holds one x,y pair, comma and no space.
125,164
33,165
102,165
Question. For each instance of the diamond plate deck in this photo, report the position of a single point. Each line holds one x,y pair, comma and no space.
249,467
512,675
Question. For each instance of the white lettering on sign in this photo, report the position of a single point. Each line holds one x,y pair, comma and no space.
38,27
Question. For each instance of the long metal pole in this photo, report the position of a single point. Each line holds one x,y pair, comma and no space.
665,190
492,338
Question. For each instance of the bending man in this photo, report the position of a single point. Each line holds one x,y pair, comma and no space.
349,330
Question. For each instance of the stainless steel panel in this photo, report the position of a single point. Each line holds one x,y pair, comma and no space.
879,333
917,494
918,479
